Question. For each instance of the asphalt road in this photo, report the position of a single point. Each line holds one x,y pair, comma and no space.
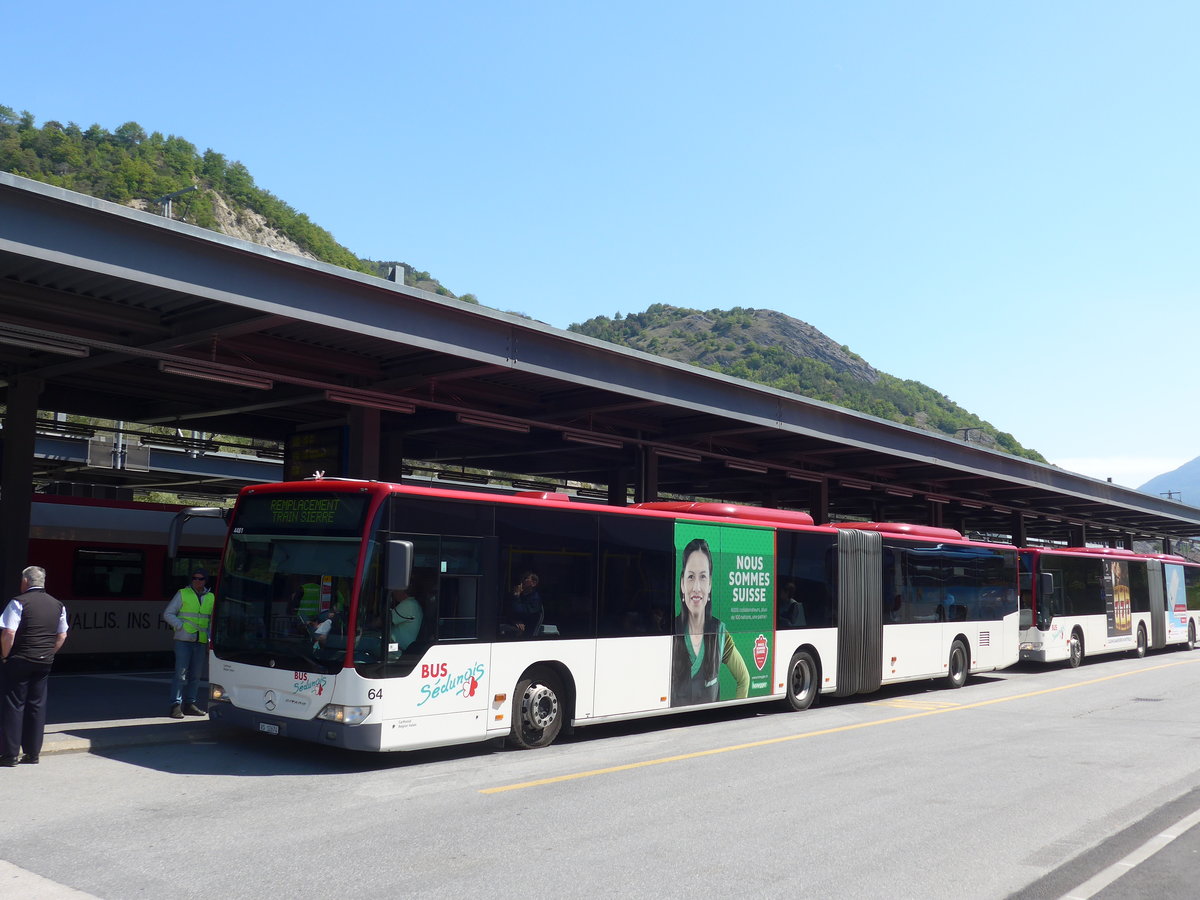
1028,783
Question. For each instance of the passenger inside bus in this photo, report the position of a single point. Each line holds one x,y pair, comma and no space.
790,609
524,612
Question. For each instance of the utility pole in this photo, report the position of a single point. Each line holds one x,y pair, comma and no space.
165,200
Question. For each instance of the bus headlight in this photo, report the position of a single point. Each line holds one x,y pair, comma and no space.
216,694
1031,645
344,715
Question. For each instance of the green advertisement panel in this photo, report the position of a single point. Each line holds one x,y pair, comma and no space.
724,613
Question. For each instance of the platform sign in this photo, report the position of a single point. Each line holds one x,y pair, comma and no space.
321,450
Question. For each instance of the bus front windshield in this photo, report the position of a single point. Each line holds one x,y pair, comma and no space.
285,590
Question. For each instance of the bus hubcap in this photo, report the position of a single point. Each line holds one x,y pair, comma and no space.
800,679
539,705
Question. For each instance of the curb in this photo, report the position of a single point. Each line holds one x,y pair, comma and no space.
107,735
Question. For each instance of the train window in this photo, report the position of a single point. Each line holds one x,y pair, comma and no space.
108,573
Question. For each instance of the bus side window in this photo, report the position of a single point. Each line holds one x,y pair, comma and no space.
457,602
547,578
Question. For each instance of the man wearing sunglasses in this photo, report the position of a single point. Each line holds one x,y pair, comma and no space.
188,613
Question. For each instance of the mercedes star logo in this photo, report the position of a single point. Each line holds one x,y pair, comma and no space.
269,700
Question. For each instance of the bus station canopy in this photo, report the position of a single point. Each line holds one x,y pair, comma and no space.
124,315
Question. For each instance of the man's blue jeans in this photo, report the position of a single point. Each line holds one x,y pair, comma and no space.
189,664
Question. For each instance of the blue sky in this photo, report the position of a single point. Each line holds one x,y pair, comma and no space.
998,199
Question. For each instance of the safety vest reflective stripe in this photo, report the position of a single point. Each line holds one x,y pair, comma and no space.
310,600
195,612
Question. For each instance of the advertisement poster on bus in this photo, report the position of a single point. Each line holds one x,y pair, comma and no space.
1176,600
723,613
1117,602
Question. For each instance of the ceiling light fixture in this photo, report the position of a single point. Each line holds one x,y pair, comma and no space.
755,468
369,401
44,343
488,422
594,440
220,376
804,476
682,455
855,485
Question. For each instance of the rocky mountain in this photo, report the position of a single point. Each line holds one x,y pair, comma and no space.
784,352
1182,484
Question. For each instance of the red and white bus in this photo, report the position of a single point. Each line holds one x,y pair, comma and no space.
1079,601
386,617
106,560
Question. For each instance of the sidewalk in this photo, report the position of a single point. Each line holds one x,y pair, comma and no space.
99,711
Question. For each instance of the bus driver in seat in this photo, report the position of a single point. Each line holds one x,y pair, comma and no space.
405,616
701,643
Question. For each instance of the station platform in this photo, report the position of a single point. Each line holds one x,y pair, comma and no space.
96,711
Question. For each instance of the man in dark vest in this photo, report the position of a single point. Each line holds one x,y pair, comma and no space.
32,629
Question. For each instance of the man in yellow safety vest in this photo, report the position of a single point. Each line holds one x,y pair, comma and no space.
188,613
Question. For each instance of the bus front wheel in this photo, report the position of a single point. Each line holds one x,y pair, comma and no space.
956,669
1191,641
537,711
1075,657
802,686
1140,650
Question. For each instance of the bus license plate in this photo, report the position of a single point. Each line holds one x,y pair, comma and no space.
268,728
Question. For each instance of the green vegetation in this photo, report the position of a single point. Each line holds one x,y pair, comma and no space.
752,344
128,165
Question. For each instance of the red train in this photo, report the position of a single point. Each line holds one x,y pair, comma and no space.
107,561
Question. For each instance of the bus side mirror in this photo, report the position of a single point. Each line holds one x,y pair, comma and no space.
399,564
1045,588
175,530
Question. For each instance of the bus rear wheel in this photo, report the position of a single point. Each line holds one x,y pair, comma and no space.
802,686
1140,650
537,711
1075,656
956,669
1191,641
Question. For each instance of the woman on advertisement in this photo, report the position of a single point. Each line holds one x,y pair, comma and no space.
701,643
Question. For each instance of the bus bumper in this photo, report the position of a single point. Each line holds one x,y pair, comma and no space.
318,731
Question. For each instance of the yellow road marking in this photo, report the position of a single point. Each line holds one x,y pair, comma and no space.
912,703
820,733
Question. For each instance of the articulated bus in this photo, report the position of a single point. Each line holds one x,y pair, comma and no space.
106,560
1093,600
390,617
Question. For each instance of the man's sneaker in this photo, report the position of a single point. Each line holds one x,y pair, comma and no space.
193,710
8,761
28,760
176,711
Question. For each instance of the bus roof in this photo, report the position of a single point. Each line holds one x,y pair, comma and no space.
904,528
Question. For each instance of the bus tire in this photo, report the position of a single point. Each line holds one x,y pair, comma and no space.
803,682
1191,641
957,666
1075,650
538,710
1140,650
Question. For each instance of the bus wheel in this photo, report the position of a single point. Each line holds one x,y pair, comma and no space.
1191,641
957,669
802,684
1141,643
537,711
1076,650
